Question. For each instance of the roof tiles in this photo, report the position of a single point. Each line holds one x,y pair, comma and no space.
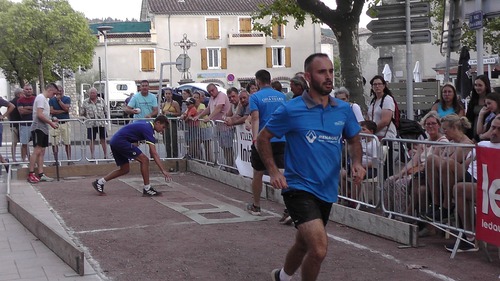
205,7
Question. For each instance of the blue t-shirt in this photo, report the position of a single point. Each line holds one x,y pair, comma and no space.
313,150
442,113
54,104
266,101
146,104
134,132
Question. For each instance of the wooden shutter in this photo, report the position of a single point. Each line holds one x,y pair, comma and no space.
275,31
269,57
245,25
147,60
288,57
204,62
223,58
213,28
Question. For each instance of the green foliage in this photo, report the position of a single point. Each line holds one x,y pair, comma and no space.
491,29
42,37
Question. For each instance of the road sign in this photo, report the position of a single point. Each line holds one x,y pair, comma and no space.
399,38
476,20
398,10
485,61
391,25
183,62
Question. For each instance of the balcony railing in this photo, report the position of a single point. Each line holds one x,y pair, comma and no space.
246,39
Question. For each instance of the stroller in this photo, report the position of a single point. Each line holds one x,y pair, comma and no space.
409,129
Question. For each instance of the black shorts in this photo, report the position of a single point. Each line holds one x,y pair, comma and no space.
278,155
92,132
39,138
303,207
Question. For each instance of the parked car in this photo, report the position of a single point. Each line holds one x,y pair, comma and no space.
202,87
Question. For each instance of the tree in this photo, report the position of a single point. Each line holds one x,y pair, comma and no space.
344,21
490,36
41,38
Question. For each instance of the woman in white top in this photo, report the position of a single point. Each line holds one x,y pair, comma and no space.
381,108
413,173
343,94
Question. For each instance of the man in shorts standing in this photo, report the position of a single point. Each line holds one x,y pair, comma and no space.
40,133
14,127
59,108
94,107
123,147
262,104
312,166
25,108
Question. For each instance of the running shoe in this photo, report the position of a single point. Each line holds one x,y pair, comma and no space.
44,177
275,274
32,178
285,218
98,187
253,210
150,192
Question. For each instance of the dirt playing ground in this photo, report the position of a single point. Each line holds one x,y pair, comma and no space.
199,231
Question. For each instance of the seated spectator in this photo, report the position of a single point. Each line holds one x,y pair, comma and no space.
482,87
252,87
370,152
397,187
343,94
452,160
185,95
448,102
464,193
486,115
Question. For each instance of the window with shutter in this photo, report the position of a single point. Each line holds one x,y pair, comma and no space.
245,25
204,64
147,60
212,28
278,31
214,58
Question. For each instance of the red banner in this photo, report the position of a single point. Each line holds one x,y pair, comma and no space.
488,195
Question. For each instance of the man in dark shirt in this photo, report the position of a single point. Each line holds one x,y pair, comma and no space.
14,127
59,108
25,107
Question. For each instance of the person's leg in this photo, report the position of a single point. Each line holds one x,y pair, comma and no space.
122,170
34,158
257,187
91,137
144,161
39,159
14,140
102,140
464,195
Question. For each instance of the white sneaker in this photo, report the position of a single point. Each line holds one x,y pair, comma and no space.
24,166
45,178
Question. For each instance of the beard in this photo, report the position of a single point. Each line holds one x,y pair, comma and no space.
322,89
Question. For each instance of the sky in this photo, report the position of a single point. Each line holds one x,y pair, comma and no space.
123,9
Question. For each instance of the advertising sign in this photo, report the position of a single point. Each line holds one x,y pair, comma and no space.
244,139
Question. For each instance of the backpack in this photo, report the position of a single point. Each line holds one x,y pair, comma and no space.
397,114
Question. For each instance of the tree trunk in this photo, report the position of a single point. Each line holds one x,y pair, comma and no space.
41,80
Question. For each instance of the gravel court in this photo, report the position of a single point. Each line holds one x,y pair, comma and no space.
130,237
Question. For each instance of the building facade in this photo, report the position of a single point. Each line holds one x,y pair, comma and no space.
217,38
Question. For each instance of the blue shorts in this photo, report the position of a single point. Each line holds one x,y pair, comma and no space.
122,153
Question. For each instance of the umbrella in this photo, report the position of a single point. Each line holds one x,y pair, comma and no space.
387,73
463,84
416,72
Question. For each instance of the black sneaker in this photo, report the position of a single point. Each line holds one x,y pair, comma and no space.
463,247
98,187
438,215
275,275
150,192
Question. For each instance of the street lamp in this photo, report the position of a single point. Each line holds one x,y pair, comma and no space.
103,29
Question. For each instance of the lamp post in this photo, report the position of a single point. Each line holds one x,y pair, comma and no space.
103,29
170,57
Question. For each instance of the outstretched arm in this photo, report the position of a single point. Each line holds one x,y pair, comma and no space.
156,158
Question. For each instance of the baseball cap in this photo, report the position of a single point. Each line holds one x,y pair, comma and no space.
189,101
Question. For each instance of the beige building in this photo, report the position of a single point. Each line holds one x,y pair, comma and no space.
217,38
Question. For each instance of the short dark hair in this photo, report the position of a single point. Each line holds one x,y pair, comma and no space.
277,85
309,59
252,82
263,76
145,81
232,89
370,125
52,85
162,119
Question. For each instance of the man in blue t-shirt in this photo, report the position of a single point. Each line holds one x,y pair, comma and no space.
143,104
59,108
314,125
262,104
124,147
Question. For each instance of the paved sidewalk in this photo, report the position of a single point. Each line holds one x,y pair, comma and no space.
22,255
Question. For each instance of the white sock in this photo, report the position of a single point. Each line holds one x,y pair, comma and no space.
147,187
101,181
284,276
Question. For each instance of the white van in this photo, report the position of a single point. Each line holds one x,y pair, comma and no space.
119,90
